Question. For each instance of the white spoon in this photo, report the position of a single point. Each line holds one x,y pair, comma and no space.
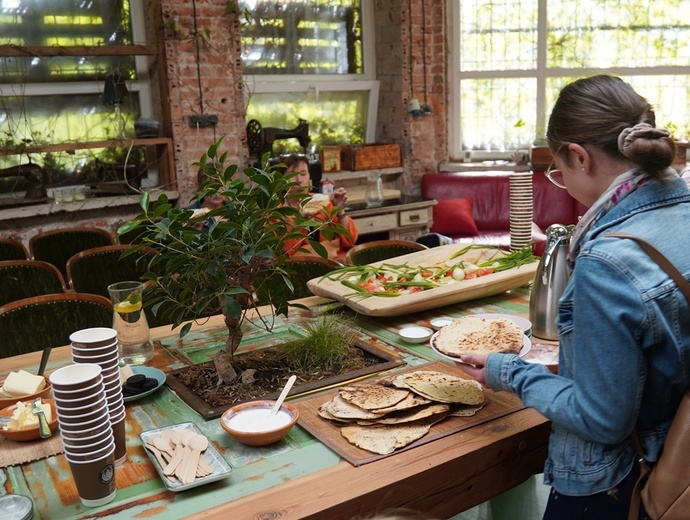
283,394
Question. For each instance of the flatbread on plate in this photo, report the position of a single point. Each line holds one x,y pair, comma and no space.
479,335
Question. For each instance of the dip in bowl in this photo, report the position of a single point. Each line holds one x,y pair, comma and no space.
252,423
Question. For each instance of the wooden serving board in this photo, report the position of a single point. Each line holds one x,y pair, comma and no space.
499,404
456,292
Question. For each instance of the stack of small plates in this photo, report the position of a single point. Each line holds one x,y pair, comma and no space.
521,210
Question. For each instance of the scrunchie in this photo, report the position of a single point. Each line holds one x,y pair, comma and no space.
644,130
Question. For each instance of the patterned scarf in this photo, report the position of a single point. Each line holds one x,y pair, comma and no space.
621,187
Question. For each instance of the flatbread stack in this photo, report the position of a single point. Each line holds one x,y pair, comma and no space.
393,412
479,335
317,202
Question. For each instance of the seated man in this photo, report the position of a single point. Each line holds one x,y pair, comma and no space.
320,210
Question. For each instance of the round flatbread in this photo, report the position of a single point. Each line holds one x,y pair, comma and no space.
445,388
385,439
314,204
373,396
478,335
411,415
341,409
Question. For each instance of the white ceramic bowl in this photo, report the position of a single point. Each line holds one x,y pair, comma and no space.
441,321
415,334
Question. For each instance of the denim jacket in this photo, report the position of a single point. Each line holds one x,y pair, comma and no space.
624,346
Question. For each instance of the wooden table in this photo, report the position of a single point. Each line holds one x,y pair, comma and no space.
301,478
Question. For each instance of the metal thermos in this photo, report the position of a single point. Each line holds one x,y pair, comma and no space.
549,282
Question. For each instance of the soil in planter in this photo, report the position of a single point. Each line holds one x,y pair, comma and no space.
265,372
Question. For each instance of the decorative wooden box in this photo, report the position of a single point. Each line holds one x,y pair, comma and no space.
371,156
540,157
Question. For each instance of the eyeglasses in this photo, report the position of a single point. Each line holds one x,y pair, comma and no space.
555,176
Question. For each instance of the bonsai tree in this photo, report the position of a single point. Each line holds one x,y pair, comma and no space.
221,260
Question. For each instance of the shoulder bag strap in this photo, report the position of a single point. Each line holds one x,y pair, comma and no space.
660,259
684,286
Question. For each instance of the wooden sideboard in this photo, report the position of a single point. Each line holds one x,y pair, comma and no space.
400,219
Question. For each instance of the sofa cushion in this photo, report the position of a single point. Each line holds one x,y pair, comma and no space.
454,216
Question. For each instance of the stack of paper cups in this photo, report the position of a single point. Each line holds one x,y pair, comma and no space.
99,345
521,210
87,435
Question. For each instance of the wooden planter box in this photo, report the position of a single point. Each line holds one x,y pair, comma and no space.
371,156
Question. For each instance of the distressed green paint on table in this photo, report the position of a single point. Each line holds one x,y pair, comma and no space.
254,469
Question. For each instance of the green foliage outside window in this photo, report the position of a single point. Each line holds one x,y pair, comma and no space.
507,77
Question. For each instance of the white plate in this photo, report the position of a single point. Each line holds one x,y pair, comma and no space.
151,372
523,323
220,467
526,346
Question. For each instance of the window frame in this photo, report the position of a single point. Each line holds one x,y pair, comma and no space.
315,83
540,74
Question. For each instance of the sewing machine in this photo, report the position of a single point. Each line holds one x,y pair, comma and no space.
260,140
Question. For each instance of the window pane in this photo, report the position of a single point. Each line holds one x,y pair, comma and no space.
302,37
633,33
497,114
500,42
498,35
53,23
333,118
44,120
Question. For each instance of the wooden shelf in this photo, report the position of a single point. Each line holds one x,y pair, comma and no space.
82,145
387,174
164,152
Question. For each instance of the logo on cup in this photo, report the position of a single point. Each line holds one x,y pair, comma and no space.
107,474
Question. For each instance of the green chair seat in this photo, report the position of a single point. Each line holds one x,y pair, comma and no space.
59,245
35,323
11,249
379,250
93,270
21,279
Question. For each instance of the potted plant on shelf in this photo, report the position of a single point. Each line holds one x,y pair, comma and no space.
218,261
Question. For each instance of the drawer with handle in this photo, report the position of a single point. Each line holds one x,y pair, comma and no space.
414,217
376,223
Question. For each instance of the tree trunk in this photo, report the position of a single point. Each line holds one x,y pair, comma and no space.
224,358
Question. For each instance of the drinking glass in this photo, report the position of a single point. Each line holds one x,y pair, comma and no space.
374,195
129,320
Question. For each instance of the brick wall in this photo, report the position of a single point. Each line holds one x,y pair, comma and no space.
410,47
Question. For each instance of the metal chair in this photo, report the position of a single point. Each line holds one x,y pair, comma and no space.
93,270
44,321
59,245
11,249
378,250
21,279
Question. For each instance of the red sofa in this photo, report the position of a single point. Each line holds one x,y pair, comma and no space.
486,195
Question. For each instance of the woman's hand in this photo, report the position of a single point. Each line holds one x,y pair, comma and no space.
475,368
339,197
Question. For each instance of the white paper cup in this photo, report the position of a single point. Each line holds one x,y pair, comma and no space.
75,377
94,337
80,406
89,417
79,393
94,477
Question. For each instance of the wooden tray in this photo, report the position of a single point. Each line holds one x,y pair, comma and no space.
432,298
499,404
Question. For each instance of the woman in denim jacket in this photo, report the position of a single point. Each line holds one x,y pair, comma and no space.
624,327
